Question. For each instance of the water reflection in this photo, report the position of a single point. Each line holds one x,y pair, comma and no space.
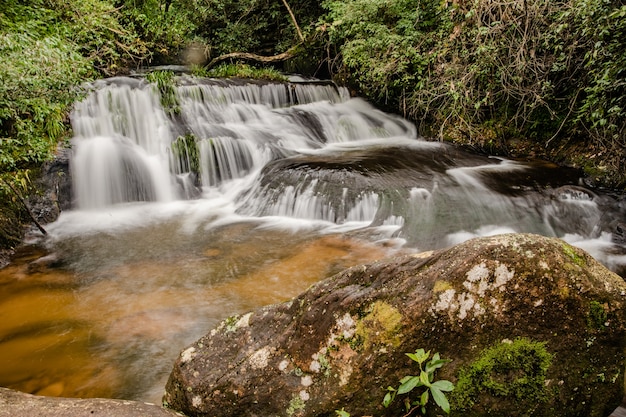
106,315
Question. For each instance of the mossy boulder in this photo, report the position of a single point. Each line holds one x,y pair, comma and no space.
532,326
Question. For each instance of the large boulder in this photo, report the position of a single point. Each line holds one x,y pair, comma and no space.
14,404
532,326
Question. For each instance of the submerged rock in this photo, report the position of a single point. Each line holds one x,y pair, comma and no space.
14,403
532,326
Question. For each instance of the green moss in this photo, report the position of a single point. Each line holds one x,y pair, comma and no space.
597,316
186,150
571,252
515,371
230,324
324,365
381,325
441,286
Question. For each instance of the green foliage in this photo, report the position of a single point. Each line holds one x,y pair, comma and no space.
48,48
425,380
185,150
164,83
240,71
165,26
261,26
483,72
342,413
516,370
386,46
601,28
12,211
39,72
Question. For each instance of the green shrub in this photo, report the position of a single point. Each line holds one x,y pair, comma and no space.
166,27
485,72
48,49
164,84
39,76
386,47
426,381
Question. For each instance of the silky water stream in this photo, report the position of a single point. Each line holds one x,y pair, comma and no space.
242,196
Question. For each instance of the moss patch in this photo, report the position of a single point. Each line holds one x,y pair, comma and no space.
509,370
597,316
571,252
381,325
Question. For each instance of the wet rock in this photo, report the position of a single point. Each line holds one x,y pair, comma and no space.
532,326
55,185
14,403
339,181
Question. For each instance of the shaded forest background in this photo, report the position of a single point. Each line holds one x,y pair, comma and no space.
521,78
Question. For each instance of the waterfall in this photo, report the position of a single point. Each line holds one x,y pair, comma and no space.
128,148
235,194
307,152
121,139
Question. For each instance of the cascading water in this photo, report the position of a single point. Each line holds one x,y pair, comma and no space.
121,138
240,195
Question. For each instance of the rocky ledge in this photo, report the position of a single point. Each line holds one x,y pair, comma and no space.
13,403
531,325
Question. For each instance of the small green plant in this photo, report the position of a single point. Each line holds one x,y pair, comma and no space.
164,82
597,317
425,379
185,150
342,413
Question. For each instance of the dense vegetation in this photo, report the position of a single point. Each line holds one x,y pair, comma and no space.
47,49
487,73
523,77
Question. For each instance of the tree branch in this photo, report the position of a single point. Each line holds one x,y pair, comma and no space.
293,18
30,213
247,56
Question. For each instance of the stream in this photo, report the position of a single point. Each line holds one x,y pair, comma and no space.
243,194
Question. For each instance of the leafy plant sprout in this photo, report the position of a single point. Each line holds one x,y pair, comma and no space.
426,381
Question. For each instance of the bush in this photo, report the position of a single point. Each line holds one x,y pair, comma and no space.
38,83
484,72
386,47
166,27
49,48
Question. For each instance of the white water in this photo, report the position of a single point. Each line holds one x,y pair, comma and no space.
126,150
251,193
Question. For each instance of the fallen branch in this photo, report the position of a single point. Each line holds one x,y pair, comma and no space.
30,214
247,56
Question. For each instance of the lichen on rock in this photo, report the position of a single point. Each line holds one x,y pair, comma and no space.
381,325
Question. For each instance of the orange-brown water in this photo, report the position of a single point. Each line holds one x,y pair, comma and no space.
112,327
